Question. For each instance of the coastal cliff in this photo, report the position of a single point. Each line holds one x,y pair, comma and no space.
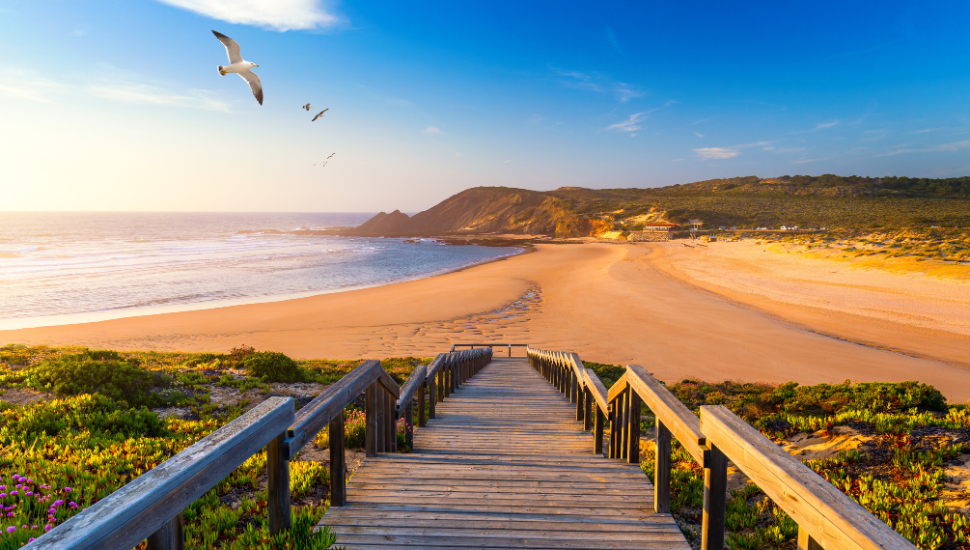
806,201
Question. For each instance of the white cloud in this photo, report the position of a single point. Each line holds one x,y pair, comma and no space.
150,95
951,147
631,124
633,135
599,83
279,15
18,84
824,125
698,134
506,162
432,130
716,153
612,40
803,161
767,148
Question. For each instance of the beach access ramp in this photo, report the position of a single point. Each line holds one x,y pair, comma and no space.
507,453
504,464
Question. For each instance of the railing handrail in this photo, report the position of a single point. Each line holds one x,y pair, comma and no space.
131,514
151,505
827,517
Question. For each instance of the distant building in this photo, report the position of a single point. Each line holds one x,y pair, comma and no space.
660,227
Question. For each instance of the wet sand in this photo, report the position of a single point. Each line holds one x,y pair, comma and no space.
618,303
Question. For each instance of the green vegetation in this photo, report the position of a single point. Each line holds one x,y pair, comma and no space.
272,367
830,201
82,428
911,436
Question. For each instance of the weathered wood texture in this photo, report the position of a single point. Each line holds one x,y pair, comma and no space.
134,512
822,512
503,465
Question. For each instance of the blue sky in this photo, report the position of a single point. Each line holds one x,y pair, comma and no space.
117,105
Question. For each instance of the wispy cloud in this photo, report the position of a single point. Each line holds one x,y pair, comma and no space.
803,161
19,84
432,130
631,124
824,125
278,15
716,153
506,162
109,83
767,148
951,147
150,95
698,134
598,83
612,40
536,119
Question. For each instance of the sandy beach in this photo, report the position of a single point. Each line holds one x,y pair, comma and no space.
712,312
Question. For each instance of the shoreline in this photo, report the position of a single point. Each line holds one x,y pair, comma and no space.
42,321
609,302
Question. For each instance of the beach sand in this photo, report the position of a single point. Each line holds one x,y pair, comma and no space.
712,313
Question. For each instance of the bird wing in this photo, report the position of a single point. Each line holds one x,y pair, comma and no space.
232,47
254,84
320,114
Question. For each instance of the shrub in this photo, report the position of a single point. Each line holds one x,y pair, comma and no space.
106,373
272,367
92,413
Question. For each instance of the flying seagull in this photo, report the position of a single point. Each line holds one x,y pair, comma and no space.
326,160
240,67
320,114
306,107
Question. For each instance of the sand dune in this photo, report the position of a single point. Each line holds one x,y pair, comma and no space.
609,303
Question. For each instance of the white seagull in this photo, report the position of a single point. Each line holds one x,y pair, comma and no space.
240,67
320,114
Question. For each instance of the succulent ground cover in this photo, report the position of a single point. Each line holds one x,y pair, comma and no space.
94,420
911,440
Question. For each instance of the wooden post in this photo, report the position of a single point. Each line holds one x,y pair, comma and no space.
441,384
338,462
278,485
170,536
579,398
409,424
510,350
453,383
390,428
432,396
806,542
422,415
715,490
661,474
624,424
588,409
633,449
614,433
598,432
370,427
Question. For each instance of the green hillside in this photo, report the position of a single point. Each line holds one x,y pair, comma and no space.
830,201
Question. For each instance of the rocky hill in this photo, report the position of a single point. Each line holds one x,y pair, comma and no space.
823,201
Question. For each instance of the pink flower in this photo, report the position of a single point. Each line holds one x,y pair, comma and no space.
12,493
29,493
11,529
33,527
58,502
48,527
9,514
72,504
67,489
32,539
3,495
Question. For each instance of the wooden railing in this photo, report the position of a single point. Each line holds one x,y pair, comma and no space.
473,346
150,507
827,518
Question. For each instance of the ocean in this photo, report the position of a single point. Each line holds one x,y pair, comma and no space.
59,268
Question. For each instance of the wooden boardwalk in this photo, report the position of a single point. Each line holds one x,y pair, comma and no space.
504,465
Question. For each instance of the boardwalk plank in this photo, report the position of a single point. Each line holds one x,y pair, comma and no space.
502,465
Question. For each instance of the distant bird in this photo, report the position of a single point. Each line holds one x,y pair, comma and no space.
326,160
331,156
240,67
306,107
320,114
